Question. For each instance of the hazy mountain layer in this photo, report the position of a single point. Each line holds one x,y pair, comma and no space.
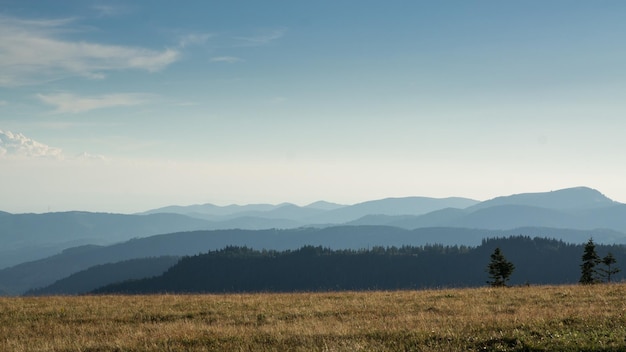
504,217
41,273
564,199
25,237
320,212
105,274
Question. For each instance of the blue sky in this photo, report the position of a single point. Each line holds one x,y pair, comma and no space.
125,106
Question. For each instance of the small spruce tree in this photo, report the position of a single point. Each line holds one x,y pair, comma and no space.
499,269
588,274
609,270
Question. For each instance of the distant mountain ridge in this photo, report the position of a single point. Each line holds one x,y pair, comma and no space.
46,247
576,198
25,237
574,208
321,212
324,205
578,208
563,199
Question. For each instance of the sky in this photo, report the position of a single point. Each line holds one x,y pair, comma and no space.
125,106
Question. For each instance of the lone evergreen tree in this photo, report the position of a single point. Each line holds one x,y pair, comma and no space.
499,269
590,258
610,270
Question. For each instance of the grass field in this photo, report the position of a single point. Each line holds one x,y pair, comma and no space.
541,318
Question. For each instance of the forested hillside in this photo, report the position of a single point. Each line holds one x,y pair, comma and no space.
41,273
100,275
241,269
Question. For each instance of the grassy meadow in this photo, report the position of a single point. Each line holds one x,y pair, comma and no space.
535,318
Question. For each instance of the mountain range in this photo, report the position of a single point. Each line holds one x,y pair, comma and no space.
26,237
319,212
38,249
576,208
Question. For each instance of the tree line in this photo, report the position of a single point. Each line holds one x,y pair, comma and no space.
500,269
241,269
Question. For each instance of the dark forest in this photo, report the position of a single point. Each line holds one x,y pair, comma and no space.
241,269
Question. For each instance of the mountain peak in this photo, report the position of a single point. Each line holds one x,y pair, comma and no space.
324,205
567,198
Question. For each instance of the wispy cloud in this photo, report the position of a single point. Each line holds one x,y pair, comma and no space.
194,39
263,37
34,52
227,59
71,103
4,103
87,156
110,10
18,145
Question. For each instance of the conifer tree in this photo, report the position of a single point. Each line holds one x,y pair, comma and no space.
590,258
499,269
610,270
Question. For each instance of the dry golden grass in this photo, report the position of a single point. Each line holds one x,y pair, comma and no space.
542,318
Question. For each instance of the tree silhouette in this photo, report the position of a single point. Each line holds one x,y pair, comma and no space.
609,260
590,258
499,269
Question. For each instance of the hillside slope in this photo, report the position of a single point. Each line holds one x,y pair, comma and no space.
21,278
236,269
105,274
27,237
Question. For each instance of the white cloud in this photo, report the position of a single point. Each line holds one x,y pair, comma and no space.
71,103
33,52
194,39
87,156
18,145
227,59
262,37
4,103
109,11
